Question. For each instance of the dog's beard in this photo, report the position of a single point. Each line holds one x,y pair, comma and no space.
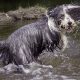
67,29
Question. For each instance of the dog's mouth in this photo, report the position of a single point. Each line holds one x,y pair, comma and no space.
70,29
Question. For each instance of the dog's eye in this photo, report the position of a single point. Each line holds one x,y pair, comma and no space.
59,22
61,16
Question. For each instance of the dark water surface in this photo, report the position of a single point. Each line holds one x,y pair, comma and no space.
7,28
66,65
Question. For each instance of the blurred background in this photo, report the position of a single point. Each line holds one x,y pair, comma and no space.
6,5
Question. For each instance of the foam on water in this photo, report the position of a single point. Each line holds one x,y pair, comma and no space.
43,72
34,71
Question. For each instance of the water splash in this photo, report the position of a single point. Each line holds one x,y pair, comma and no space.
34,72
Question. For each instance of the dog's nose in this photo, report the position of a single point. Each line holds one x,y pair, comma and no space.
69,23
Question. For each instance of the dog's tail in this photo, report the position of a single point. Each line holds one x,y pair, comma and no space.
2,45
4,52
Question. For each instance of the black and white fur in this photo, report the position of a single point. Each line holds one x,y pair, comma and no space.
27,43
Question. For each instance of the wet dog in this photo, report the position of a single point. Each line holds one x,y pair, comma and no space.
27,43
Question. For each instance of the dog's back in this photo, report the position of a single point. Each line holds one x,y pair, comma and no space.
26,43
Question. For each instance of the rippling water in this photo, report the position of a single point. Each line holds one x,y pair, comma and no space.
35,72
59,66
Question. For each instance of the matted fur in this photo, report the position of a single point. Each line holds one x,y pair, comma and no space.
25,44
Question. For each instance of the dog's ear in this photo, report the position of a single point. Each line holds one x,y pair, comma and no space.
49,12
53,12
74,12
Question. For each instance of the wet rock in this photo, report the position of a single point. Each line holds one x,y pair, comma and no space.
27,13
22,14
4,18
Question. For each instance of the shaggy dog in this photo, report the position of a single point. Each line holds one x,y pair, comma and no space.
27,43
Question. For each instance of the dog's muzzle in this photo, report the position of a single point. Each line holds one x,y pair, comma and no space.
69,27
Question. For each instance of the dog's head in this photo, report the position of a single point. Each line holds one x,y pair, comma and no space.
63,18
